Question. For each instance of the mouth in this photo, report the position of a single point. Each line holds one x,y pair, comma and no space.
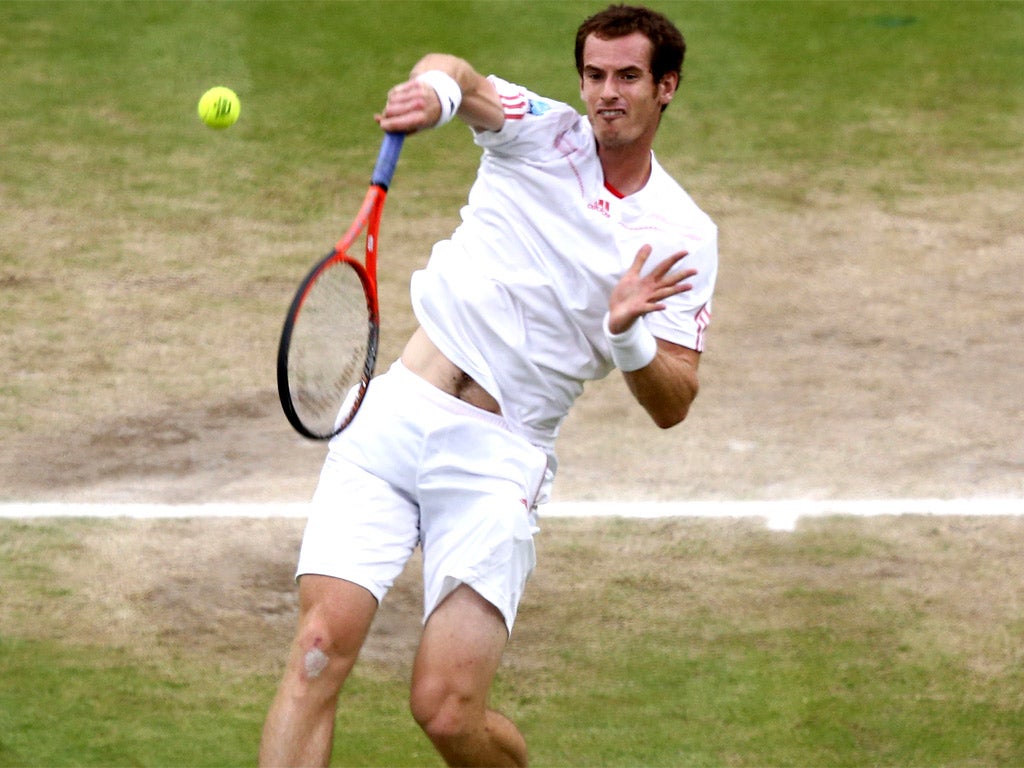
611,114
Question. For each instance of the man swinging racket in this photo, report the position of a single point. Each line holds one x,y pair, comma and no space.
577,253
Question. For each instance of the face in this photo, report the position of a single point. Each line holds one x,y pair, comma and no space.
623,101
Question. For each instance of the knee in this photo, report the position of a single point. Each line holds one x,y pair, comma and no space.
444,714
323,654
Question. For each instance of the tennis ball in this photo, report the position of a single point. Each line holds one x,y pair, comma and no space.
219,107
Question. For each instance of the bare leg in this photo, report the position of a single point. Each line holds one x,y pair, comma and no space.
334,618
456,663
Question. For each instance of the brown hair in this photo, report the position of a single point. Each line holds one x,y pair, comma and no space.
667,44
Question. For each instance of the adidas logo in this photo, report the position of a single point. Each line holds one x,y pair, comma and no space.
601,206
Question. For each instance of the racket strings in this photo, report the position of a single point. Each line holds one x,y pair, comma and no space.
331,344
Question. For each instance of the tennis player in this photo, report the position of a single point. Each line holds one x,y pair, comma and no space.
577,254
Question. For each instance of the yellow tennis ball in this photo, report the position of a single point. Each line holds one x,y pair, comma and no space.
219,107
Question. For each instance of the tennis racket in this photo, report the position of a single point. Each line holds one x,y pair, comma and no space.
328,346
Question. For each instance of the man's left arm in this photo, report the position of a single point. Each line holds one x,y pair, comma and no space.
667,385
661,375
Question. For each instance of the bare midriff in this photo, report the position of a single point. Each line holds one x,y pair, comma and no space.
428,362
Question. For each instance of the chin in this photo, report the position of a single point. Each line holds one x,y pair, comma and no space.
612,139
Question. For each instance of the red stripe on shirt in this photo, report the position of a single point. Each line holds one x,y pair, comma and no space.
703,319
514,107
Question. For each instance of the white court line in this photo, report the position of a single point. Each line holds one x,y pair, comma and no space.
779,515
782,515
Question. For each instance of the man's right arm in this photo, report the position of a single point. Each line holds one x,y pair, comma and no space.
415,105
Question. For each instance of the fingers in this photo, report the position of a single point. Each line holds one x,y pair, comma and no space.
660,275
676,279
411,106
662,269
641,258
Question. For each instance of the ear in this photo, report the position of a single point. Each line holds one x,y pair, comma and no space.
667,87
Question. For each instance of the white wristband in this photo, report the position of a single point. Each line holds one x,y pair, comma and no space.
634,348
448,93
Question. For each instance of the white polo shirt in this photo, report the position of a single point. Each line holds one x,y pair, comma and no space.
517,295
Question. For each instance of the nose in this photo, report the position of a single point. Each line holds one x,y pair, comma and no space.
608,88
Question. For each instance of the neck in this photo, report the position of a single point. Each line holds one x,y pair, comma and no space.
627,169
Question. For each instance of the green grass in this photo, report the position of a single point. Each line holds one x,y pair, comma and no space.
70,705
98,706
101,96
829,98
785,655
809,697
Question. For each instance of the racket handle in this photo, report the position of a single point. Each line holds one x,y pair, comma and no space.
387,160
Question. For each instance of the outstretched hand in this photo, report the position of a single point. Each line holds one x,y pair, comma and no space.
637,295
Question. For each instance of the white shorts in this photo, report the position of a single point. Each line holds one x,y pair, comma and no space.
418,466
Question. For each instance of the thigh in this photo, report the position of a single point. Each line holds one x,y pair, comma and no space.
460,650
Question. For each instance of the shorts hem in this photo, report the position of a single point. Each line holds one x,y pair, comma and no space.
508,613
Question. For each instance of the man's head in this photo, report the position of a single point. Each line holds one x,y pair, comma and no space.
668,48
629,60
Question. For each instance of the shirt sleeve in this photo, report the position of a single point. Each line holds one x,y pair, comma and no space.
531,121
686,316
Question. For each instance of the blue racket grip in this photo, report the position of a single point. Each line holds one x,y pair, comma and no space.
387,160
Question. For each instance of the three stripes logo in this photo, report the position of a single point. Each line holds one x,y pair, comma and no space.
601,206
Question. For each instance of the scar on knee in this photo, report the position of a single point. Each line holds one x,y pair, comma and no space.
315,662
